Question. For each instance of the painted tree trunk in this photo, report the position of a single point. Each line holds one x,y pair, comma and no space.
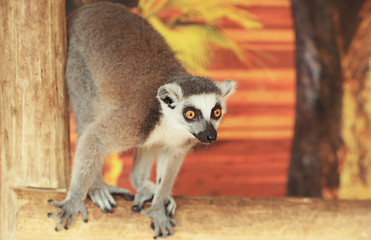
355,176
315,160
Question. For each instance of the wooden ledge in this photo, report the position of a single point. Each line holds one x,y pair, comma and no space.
202,218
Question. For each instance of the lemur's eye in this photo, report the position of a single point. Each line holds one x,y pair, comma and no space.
216,112
190,114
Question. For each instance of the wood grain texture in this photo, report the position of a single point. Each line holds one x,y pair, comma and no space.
34,113
203,218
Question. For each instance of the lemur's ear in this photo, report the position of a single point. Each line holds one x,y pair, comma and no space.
170,94
228,87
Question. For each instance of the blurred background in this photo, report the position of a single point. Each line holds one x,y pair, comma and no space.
299,123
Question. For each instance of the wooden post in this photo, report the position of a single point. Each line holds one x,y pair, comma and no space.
315,157
34,113
232,218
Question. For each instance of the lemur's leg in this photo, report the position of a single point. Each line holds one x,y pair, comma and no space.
88,162
93,146
101,194
140,174
170,204
143,161
162,223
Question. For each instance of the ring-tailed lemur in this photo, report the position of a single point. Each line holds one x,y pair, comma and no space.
128,90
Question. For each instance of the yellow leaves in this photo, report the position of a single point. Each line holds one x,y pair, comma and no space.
188,43
150,8
191,26
212,11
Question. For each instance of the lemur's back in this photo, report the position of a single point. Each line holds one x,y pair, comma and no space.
128,90
123,59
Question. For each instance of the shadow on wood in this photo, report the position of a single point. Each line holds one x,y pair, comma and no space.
202,218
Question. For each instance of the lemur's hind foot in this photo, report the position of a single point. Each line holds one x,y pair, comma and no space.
163,224
146,193
101,195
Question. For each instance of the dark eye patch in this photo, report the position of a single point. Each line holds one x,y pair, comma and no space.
191,114
216,112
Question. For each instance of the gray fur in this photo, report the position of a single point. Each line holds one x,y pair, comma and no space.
194,85
128,90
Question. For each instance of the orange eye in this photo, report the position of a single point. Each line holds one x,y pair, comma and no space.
217,112
190,114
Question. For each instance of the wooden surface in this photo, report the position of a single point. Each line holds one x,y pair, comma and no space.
203,218
34,126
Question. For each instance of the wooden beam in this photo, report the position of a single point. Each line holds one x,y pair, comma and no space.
202,218
33,103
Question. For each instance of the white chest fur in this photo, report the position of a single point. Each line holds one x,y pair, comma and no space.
168,134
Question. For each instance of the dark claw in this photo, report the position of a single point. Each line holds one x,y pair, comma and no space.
136,208
113,205
49,214
86,220
129,197
65,227
105,210
50,200
110,211
56,229
159,236
153,226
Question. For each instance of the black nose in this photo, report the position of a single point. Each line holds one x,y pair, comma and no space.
208,135
210,138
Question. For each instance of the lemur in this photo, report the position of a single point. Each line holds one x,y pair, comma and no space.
128,90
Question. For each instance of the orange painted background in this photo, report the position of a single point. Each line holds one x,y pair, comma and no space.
251,156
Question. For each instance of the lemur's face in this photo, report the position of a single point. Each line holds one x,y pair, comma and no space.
202,114
196,115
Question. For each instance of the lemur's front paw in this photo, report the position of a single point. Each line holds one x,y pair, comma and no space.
101,195
69,210
162,225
